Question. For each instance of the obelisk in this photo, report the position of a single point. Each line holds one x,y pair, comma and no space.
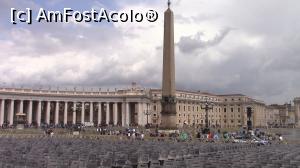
168,102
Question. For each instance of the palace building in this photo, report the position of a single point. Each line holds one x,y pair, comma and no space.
132,106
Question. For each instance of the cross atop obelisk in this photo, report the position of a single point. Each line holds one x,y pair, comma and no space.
168,103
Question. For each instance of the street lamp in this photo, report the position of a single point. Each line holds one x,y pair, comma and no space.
207,106
249,115
194,122
147,113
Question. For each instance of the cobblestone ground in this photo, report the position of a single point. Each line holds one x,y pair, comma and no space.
53,152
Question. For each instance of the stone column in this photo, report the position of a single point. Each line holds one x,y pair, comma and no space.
107,113
21,110
123,113
297,123
2,112
29,112
48,112
297,111
11,112
66,113
56,113
140,114
115,113
82,113
39,113
99,113
91,112
146,108
127,115
74,113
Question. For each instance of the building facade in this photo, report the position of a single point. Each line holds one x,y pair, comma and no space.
119,107
297,111
284,115
228,111
272,116
132,106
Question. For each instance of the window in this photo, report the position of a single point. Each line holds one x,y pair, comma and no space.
179,107
224,110
239,109
183,108
179,115
225,99
224,116
225,121
179,121
154,107
231,121
154,115
231,109
239,121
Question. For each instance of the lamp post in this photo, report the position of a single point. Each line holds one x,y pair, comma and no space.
147,113
249,115
207,106
194,122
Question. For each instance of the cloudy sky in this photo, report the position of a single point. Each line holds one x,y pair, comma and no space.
250,47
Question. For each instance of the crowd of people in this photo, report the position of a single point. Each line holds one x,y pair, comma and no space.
130,133
252,136
134,132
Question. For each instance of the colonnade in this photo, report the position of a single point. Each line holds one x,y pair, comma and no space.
297,111
72,112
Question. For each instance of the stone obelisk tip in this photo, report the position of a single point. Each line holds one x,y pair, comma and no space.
169,3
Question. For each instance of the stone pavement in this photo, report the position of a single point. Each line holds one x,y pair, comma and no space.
59,152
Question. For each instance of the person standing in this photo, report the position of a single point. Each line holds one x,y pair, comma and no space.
142,136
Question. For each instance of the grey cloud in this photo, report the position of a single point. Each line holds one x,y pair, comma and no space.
268,70
245,71
55,39
228,63
188,44
179,18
